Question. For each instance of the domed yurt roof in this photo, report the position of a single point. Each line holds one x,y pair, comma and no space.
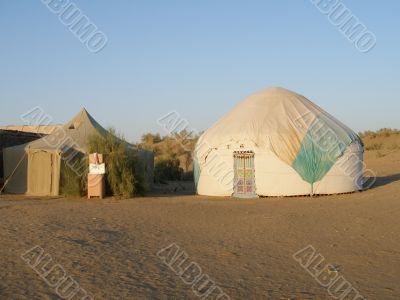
297,131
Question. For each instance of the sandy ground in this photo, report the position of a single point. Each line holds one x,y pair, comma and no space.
246,246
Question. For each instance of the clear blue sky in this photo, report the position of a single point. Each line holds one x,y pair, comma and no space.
197,57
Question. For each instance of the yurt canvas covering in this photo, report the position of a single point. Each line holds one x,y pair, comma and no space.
277,143
34,168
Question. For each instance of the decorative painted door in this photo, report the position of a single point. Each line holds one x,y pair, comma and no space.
244,183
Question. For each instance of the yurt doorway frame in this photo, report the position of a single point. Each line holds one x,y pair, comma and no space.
244,178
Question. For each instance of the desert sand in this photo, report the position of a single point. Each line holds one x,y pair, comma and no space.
246,246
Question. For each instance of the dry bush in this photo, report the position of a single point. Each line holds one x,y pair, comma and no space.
375,146
368,133
383,132
394,147
380,154
387,132
172,155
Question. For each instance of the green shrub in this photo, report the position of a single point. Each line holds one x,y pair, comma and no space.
167,169
124,172
73,174
188,176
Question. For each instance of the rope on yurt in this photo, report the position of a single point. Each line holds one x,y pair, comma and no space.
12,173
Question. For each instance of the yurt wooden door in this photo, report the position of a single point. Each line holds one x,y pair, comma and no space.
244,182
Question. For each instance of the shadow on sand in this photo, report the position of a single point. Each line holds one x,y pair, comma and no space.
173,189
384,180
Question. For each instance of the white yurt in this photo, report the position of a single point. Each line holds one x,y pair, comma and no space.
277,143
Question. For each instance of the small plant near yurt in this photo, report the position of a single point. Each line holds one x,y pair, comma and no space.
124,172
